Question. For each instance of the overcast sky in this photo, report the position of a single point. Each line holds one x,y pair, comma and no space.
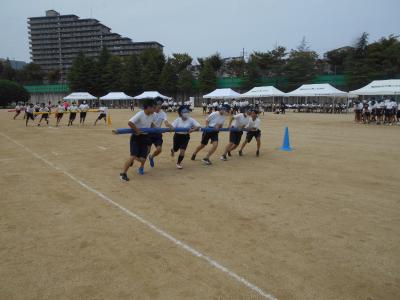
203,27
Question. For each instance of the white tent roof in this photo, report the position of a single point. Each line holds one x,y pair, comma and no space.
116,96
263,91
80,96
380,87
317,90
150,95
222,94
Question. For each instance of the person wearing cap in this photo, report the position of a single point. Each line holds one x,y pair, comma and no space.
83,109
59,112
214,121
72,113
103,110
253,131
240,121
139,142
181,139
156,139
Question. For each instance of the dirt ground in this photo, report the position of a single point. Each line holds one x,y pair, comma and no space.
321,222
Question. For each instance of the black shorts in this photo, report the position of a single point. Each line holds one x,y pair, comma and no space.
30,116
139,145
379,111
212,135
83,114
101,116
156,139
44,116
398,113
388,112
251,134
60,115
181,141
235,137
72,116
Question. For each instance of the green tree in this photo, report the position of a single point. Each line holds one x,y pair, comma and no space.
252,76
54,76
81,74
131,77
181,61
150,75
8,72
207,78
185,83
11,91
301,66
111,78
30,74
168,79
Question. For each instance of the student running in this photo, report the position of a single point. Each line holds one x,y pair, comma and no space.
254,131
18,109
83,108
139,142
29,113
103,110
44,114
215,120
59,112
72,113
181,139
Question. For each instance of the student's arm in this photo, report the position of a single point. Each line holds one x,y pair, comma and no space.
231,120
167,124
195,126
133,126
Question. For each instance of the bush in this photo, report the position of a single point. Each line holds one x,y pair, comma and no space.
11,91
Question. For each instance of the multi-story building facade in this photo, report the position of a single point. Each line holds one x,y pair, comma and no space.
55,40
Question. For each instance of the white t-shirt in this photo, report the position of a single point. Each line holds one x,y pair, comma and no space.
188,123
141,120
84,107
60,108
159,118
103,110
254,124
215,119
240,120
17,108
45,109
73,108
29,109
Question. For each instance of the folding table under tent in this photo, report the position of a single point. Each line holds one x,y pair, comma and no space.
318,91
379,88
151,95
222,94
117,97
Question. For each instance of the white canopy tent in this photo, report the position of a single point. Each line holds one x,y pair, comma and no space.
117,97
222,94
317,90
151,95
379,88
79,96
263,92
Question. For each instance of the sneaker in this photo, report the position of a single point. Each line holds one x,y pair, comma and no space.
178,166
240,153
223,157
206,161
123,177
140,171
258,153
151,161
193,157
229,153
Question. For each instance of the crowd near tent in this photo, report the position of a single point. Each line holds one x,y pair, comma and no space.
151,95
379,88
117,98
222,94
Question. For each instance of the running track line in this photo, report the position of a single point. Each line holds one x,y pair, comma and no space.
153,227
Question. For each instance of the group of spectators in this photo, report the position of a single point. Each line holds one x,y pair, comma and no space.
377,111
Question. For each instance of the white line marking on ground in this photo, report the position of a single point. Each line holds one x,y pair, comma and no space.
161,232
102,148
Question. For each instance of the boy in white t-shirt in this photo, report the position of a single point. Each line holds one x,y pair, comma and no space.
139,142
83,109
103,110
254,131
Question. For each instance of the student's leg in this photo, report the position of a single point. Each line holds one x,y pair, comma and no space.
228,148
214,146
199,147
157,151
258,140
128,163
243,145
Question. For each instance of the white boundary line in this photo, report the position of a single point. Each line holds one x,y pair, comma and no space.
153,227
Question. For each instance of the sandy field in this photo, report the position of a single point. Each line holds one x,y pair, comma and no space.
321,222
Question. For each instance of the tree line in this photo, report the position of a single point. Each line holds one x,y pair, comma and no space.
177,76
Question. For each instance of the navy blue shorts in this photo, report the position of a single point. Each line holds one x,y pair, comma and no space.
235,137
156,139
181,141
211,135
251,134
139,145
